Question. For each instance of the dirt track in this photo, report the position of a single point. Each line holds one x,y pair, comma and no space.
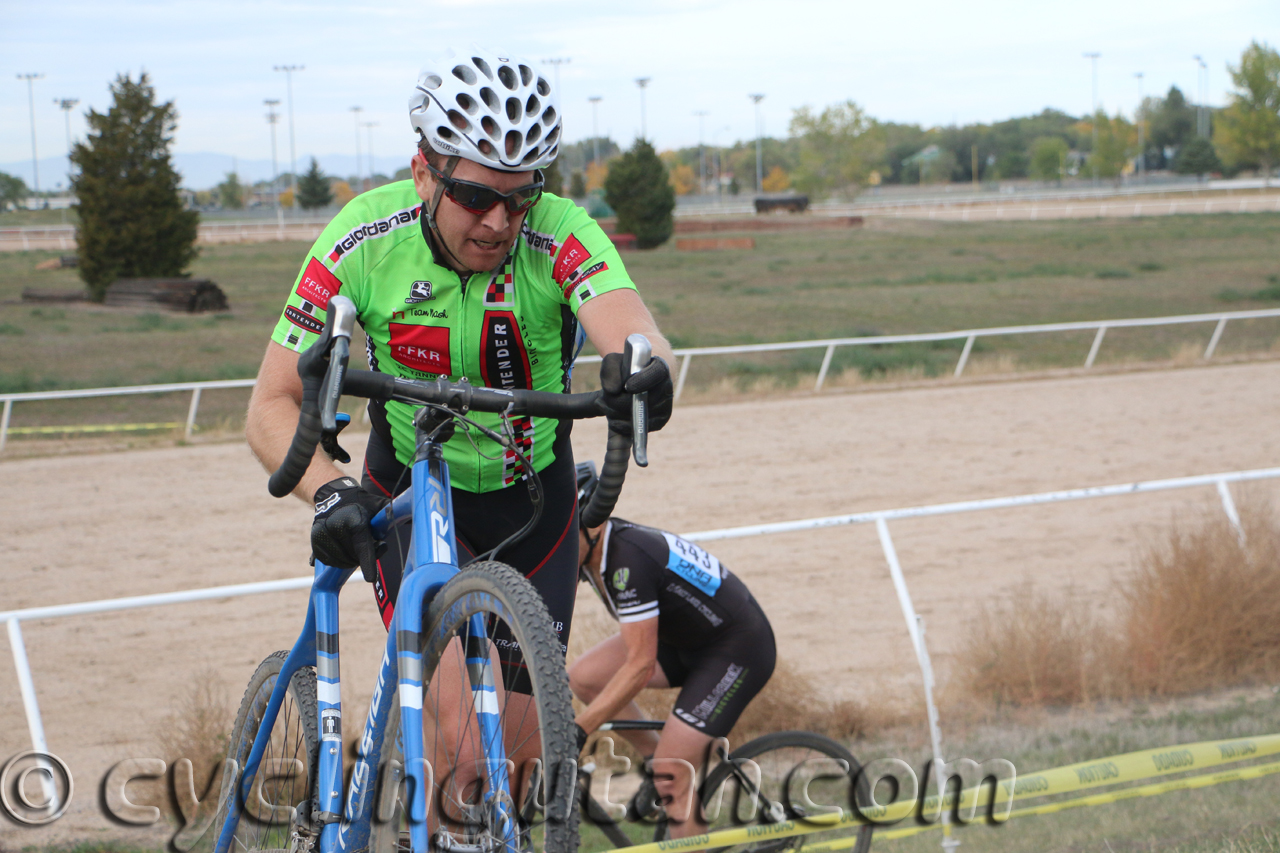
91,527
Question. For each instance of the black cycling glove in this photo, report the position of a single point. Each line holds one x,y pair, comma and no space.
618,388
340,534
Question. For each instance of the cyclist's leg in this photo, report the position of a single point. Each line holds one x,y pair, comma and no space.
595,667
680,752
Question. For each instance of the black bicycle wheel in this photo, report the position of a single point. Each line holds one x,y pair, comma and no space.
538,727
284,780
790,763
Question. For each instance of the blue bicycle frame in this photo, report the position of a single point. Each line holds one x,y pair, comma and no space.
432,561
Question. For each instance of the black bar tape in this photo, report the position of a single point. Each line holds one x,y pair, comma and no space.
612,473
298,459
368,383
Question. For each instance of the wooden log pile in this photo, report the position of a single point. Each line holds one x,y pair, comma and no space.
175,294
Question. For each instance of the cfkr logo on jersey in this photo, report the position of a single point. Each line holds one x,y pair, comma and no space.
420,291
424,348
571,256
317,284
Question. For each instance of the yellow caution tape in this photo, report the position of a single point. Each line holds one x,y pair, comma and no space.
51,430
1129,767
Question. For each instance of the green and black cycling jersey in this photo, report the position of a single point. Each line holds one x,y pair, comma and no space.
515,327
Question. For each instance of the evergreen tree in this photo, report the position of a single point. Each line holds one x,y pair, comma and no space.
313,188
12,190
552,180
231,192
577,185
132,220
1197,157
638,189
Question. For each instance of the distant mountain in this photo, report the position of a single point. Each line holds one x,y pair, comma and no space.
204,170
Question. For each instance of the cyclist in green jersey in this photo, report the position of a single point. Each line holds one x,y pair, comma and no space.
467,271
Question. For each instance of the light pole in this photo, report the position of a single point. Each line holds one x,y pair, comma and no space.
556,62
1202,90
702,153
368,129
595,130
272,117
67,105
1093,118
31,99
356,112
1142,145
756,99
719,158
293,150
642,82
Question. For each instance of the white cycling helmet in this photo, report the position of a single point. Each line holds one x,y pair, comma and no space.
492,109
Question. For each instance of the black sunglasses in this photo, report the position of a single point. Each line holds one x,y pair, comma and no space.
480,199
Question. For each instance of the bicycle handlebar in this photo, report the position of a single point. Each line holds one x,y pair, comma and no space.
324,374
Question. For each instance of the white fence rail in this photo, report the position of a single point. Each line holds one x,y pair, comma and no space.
915,623
969,336
63,237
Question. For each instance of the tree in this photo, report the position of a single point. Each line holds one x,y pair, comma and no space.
313,188
552,179
1116,138
776,181
577,185
231,192
1250,126
1049,158
1172,125
637,188
1197,157
832,150
12,191
684,179
132,220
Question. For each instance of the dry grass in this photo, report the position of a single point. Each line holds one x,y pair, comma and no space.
197,728
1201,611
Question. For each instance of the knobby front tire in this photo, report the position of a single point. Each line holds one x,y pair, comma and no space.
264,818
545,720
779,755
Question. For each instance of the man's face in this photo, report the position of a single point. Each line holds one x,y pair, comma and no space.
478,242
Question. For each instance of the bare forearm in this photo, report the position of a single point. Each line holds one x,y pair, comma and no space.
616,695
269,427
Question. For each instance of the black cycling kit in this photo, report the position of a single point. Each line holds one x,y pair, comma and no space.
714,641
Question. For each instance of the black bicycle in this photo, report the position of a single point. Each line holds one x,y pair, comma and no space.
801,777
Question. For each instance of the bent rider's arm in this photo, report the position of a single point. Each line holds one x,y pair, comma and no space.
610,317
273,417
641,640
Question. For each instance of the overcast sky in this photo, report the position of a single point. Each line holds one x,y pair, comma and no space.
934,62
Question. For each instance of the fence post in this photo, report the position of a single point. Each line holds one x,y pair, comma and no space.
26,687
1097,343
964,356
1229,507
826,364
4,422
684,371
191,413
915,627
1217,336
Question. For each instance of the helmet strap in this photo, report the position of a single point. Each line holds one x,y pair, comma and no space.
430,213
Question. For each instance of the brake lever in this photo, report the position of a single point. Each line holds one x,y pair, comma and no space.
636,355
342,312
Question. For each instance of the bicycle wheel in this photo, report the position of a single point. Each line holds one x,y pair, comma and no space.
539,724
791,764
284,779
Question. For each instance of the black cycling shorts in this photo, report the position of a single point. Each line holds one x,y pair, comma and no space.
718,681
548,556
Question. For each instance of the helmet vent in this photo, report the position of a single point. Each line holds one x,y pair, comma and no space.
490,127
483,66
514,109
467,102
465,74
532,105
507,76
490,99
533,134
549,117
530,157
526,75
459,121
553,135
432,81
514,142
487,149
444,132
544,88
